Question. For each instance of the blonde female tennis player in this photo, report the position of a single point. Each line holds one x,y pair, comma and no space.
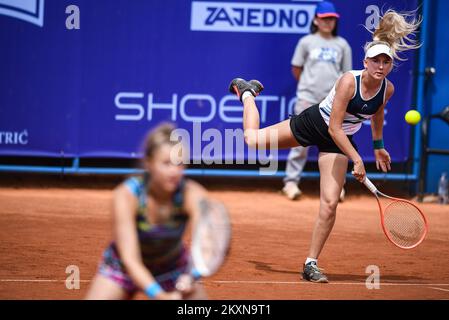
358,95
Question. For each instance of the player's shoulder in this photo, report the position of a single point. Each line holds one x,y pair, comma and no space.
132,184
192,186
390,88
390,85
347,78
346,83
129,190
193,192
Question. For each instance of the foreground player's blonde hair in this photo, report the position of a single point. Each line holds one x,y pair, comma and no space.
158,137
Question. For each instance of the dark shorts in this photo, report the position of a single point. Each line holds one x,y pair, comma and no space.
310,129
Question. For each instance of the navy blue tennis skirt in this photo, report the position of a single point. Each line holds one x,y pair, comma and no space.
310,129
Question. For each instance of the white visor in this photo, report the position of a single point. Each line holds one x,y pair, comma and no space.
379,49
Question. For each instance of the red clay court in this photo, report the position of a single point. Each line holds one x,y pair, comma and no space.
45,227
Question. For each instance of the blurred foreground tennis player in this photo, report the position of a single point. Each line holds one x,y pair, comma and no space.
357,96
150,215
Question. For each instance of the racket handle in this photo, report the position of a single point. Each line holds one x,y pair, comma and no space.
367,182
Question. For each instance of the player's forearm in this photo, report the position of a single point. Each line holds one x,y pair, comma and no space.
377,128
342,141
377,124
140,275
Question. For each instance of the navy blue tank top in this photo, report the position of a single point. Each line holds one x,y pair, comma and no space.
358,109
357,105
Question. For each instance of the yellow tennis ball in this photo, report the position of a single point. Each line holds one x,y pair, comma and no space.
412,117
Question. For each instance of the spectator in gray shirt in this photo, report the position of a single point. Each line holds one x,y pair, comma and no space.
320,58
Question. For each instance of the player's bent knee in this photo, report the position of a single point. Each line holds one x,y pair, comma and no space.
329,208
254,138
103,288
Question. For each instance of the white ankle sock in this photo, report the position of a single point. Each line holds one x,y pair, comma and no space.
246,94
311,260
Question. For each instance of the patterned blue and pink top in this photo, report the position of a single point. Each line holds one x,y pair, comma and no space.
163,250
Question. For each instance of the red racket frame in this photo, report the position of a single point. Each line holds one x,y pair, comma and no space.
377,193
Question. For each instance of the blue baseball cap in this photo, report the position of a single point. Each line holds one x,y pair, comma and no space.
326,9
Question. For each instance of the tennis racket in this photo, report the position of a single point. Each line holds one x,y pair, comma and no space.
210,238
404,224
209,244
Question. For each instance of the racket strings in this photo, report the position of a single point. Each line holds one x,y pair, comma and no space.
211,239
210,242
404,223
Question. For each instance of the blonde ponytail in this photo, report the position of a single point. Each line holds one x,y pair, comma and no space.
397,30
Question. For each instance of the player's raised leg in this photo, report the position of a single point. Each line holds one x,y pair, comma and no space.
277,136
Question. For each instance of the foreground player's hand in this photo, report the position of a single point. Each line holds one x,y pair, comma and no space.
184,284
383,160
359,170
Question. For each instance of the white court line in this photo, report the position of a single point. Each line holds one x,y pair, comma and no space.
439,289
38,280
331,283
430,285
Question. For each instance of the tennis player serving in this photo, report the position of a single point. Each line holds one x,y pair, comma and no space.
358,95
150,215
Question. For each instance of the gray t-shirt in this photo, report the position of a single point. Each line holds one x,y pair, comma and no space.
323,61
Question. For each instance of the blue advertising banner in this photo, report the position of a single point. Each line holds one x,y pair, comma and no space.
88,78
